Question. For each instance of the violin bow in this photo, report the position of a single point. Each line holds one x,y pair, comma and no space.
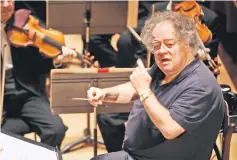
207,56
138,38
3,72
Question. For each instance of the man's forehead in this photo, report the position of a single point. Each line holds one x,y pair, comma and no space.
10,2
163,29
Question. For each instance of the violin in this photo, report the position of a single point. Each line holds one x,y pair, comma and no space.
27,31
193,10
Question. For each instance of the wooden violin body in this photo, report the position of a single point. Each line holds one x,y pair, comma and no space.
35,35
193,10
27,31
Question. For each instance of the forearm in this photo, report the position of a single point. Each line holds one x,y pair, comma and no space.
161,118
126,90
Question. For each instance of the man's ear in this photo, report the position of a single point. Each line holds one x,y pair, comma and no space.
186,47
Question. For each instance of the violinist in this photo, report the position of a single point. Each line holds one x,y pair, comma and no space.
112,125
26,107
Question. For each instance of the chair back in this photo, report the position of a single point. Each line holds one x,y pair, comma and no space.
227,131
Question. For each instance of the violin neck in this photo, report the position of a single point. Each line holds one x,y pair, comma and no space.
52,42
58,45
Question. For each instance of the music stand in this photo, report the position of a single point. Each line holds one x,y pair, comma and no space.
93,17
107,17
14,146
76,82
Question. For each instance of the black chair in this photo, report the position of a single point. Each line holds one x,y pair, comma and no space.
226,131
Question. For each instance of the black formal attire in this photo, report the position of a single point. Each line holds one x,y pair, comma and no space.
26,106
112,125
102,50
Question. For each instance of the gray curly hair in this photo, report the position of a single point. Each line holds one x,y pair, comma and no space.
184,27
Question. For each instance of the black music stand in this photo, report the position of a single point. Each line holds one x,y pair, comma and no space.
75,83
86,18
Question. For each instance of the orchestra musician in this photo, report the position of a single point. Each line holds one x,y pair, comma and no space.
178,104
26,107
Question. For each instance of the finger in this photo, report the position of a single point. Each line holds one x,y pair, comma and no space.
137,71
92,58
100,103
90,93
140,70
131,77
207,50
87,54
96,64
87,62
140,64
93,103
59,58
98,95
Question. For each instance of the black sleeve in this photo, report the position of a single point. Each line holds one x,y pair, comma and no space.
46,64
213,23
215,27
191,108
40,63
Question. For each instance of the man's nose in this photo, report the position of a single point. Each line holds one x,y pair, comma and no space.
162,49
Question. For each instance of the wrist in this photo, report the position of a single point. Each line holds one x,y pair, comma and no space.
143,91
56,63
145,94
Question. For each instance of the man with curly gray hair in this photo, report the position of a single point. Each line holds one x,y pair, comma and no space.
178,104
184,32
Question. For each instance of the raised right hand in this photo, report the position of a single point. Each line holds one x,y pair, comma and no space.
96,96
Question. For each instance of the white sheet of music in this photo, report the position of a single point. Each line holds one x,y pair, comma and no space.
12,148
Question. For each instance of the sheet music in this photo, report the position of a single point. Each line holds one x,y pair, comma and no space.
12,148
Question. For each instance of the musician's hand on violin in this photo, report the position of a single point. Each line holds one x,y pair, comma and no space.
96,96
202,53
66,56
89,58
216,71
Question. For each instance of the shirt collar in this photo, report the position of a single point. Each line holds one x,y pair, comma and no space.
188,70
154,70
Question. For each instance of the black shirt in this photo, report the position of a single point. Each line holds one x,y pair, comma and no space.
194,100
